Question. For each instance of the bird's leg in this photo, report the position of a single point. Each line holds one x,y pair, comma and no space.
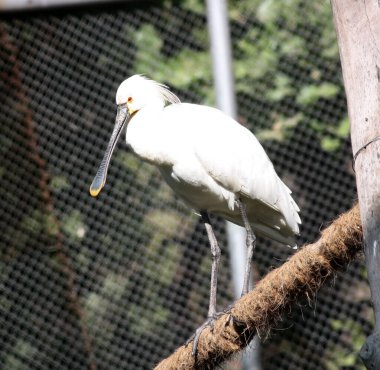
215,252
251,243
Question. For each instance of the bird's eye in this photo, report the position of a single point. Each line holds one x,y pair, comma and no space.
129,100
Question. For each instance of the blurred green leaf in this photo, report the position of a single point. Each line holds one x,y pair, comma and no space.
198,62
147,319
343,128
95,307
168,263
311,93
5,304
195,6
317,126
257,57
165,223
330,144
114,285
59,183
128,160
40,222
282,88
15,360
333,142
269,10
73,225
280,128
165,194
148,48
292,45
169,69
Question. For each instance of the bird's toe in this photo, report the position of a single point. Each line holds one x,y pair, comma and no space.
209,322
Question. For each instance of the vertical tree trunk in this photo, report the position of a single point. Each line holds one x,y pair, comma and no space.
357,24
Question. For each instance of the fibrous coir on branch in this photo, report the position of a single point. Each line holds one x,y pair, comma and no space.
261,309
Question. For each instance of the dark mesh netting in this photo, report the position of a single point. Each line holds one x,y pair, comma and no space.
118,282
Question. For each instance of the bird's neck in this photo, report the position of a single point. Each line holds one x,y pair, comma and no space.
144,135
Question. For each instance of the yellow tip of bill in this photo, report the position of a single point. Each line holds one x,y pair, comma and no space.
95,192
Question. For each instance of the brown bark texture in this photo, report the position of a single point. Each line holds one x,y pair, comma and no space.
357,25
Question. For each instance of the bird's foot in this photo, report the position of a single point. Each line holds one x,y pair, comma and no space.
209,322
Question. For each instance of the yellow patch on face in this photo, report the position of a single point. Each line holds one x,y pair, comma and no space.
131,110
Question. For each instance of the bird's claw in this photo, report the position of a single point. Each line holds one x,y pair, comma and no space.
195,337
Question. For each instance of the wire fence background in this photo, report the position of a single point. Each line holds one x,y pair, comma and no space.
118,282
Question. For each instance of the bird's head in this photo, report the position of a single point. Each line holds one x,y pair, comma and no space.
138,92
133,95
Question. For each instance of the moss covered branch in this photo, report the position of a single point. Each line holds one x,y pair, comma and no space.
261,309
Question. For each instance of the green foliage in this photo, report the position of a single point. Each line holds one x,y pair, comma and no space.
262,56
174,69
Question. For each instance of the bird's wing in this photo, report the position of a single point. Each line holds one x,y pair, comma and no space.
233,156
235,159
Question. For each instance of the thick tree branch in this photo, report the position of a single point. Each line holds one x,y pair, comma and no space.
357,25
261,309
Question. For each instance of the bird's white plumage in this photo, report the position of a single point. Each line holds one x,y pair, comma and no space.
142,90
208,159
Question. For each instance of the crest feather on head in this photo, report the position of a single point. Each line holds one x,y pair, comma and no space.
163,90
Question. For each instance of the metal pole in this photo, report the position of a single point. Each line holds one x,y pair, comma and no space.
225,100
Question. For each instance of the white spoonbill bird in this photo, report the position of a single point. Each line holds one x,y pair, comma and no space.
212,162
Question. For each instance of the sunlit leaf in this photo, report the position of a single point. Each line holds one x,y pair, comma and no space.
311,93
343,130
330,144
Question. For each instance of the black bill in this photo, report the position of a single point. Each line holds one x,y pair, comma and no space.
122,118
